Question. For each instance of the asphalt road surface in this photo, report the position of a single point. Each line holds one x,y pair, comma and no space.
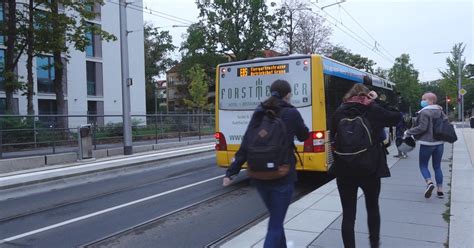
172,203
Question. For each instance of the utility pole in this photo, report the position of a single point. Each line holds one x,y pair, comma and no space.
460,97
126,80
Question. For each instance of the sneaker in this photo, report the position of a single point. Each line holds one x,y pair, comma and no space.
397,156
404,156
429,190
440,195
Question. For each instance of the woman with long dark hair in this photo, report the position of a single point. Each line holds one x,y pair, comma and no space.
276,193
361,100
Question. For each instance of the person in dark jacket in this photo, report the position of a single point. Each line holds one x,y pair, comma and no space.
277,193
360,98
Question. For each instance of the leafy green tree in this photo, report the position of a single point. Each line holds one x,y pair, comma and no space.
449,82
381,72
198,88
158,48
404,75
195,50
241,29
343,55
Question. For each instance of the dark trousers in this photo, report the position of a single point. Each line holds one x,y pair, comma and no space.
277,199
347,187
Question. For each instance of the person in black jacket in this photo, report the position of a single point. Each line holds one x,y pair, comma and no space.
277,193
360,98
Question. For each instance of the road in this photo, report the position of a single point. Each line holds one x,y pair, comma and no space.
173,203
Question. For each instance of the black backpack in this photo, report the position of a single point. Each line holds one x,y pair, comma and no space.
268,148
354,144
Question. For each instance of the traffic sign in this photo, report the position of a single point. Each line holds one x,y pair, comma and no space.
462,92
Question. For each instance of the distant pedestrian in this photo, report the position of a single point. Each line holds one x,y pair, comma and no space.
400,129
429,146
368,165
276,193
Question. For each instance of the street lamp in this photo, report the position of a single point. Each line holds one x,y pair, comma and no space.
460,97
179,26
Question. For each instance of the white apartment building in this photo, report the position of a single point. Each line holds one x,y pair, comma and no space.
92,78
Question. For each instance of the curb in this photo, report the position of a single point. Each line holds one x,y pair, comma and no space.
31,178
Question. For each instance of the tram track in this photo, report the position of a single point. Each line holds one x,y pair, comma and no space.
109,240
41,210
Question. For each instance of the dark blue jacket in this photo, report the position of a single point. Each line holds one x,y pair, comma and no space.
295,127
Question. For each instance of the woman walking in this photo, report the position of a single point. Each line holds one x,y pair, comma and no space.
429,146
349,177
276,193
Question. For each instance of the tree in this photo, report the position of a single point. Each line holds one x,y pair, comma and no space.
449,82
312,35
62,29
405,77
195,50
290,14
381,72
343,55
158,46
241,29
14,49
198,88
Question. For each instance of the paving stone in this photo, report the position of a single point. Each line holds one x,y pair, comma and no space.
312,221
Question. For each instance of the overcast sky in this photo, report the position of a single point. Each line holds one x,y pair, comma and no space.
416,27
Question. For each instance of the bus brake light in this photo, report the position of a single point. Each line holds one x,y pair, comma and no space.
221,144
315,142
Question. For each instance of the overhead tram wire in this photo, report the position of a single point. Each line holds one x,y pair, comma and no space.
132,7
161,13
357,38
367,32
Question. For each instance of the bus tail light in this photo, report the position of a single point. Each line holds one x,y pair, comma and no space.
221,144
315,142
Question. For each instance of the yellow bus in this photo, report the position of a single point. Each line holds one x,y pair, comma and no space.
318,85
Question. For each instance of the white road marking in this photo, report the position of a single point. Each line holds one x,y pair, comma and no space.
103,211
105,162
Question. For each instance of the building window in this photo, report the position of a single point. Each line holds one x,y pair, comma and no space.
45,74
2,19
95,112
94,79
90,47
91,79
94,46
2,68
3,106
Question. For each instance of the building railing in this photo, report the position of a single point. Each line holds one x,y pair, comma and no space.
46,134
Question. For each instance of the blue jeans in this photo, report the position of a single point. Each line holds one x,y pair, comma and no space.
435,153
277,199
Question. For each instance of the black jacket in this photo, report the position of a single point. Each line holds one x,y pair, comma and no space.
295,127
378,118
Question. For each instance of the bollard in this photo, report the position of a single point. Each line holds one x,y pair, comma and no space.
156,128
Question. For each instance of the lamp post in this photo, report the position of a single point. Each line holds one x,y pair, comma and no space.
460,97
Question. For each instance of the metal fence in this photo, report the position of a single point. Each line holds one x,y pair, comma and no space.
46,134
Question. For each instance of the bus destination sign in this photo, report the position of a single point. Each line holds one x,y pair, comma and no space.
263,70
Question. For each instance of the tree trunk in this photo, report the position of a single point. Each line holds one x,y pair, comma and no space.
29,62
58,65
11,33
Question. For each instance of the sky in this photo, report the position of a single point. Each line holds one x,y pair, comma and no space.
416,27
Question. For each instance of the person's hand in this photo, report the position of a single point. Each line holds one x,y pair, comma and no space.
226,181
372,95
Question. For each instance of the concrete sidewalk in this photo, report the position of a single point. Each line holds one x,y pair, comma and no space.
408,219
50,173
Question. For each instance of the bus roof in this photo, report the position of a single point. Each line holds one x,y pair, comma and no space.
330,67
